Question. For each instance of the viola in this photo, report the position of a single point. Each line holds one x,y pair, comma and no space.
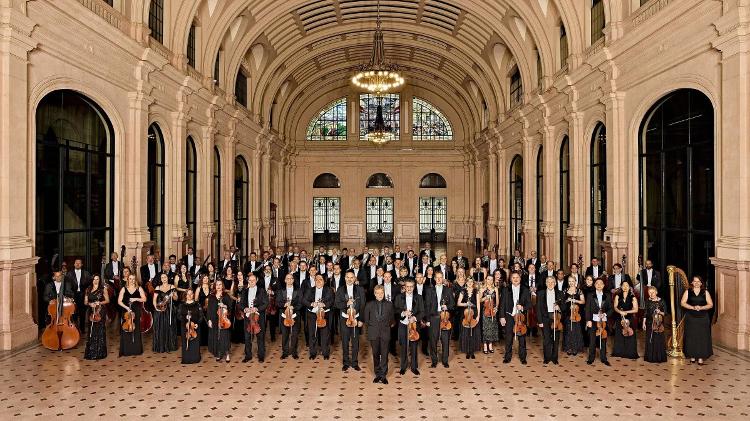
601,328
557,324
61,332
288,315
657,324
128,321
351,316
271,309
223,313
253,327
469,321
320,321
519,324
96,314
575,313
413,332
626,329
445,320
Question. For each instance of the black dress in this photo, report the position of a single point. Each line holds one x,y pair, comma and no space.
625,346
219,339
238,325
471,338
96,342
165,339
656,350
587,291
202,299
191,350
697,336
572,332
131,342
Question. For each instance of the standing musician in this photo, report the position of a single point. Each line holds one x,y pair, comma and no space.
515,300
421,288
378,317
253,303
219,337
438,300
131,342
269,283
113,270
549,313
59,286
409,307
350,297
190,312
598,310
81,279
96,298
289,300
149,273
318,299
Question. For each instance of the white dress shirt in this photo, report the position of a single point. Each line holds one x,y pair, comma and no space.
152,271
516,295
438,294
409,299
251,293
550,300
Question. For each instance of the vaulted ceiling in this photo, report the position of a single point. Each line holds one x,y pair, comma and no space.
294,51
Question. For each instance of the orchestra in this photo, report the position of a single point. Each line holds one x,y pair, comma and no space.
396,300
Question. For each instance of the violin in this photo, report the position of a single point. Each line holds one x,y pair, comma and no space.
351,316
657,324
575,312
489,309
271,309
238,313
253,327
601,328
320,321
96,314
162,305
223,313
557,325
288,315
626,329
519,324
413,332
191,329
469,321
445,320
128,321
61,332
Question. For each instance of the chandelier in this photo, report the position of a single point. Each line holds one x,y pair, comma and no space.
379,133
378,76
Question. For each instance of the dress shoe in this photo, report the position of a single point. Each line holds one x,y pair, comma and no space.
295,356
356,367
506,360
325,357
555,362
376,380
345,367
402,372
284,356
607,363
523,362
446,365
312,357
415,371
433,365
246,359
589,362
546,362
383,380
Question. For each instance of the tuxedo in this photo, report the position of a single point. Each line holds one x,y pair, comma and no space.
408,348
270,288
378,317
460,260
430,254
654,280
533,261
346,262
81,282
447,271
109,272
507,306
612,281
411,264
67,289
590,271
252,266
539,282
261,303
224,264
189,264
593,308
550,341
433,300
318,338
349,335
289,335
146,276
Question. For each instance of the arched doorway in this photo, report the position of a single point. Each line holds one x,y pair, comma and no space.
74,182
676,146
598,177
516,204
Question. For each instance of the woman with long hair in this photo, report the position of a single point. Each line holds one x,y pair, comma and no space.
697,337
95,299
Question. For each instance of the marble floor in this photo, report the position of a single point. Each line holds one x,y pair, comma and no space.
40,383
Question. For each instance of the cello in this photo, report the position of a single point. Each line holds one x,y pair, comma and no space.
61,333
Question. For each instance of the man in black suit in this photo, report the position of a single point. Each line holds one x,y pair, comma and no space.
397,253
197,270
227,262
411,262
533,260
598,308
371,268
649,277
189,259
547,303
617,278
289,296
252,265
423,265
461,261
302,279
150,273
254,301
421,288
378,317
445,268
113,270
409,307
350,295
438,299
269,284
516,299
318,299
427,251
81,279
59,287
595,270
347,260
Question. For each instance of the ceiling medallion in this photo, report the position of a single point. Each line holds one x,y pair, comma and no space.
378,76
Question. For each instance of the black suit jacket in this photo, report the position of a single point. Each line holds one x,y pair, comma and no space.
85,280
109,273
261,301
296,300
146,275
611,281
185,261
459,260
273,286
342,297
68,290
432,300
430,253
247,268
378,325
542,314
655,279
539,281
309,298
592,306
417,308
507,304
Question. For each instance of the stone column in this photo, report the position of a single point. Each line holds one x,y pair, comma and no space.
574,243
618,206
502,198
255,184
528,228
137,237
17,260
492,200
732,261
265,198
176,187
228,228
206,195
550,162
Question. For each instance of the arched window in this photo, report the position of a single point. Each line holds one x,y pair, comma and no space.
597,20
330,123
368,110
155,215
379,181
191,46
563,46
539,71
74,182
240,88
516,88
539,199
428,122
516,202
326,213
191,175
564,197
677,183
432,181
598,189
433,219
326,181
241,206
218,255
156,20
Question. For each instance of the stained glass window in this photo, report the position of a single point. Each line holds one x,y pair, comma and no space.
433,214
429,123
368,109
380,214
329,124
326,211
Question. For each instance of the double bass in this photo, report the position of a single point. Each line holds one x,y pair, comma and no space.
61,333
